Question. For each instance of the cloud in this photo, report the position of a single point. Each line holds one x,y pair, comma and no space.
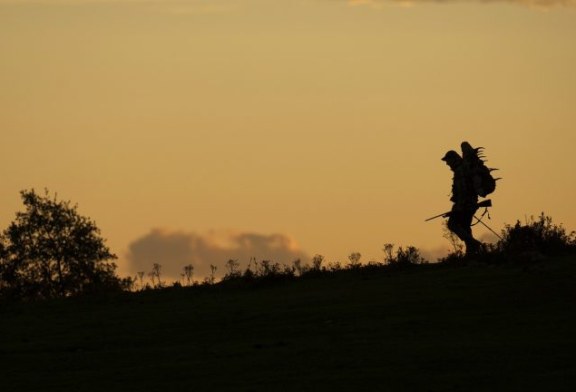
175,249
434,254
489,238
528,3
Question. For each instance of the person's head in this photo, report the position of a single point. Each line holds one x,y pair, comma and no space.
452,159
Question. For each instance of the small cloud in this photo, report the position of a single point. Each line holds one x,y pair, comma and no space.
435,254
489,238
377,4
175,249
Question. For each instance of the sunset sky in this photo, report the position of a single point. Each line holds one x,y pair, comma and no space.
198,131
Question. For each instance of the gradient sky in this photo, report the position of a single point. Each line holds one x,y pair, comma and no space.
303,126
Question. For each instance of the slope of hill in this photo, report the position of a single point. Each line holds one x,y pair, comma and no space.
428,328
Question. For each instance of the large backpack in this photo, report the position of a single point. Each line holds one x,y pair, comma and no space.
480,175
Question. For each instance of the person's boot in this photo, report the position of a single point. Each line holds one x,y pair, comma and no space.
473,247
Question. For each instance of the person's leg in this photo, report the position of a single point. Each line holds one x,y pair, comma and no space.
459,223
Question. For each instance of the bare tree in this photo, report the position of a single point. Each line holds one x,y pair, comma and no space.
188,271
155,275
233,266
140,275
354,258
212,278
317,262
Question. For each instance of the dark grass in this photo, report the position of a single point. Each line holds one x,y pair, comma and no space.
427,328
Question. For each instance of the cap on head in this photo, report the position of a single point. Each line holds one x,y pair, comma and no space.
452,156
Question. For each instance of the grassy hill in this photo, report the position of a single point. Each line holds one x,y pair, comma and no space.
428,328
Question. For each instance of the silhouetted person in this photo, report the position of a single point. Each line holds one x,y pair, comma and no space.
465,199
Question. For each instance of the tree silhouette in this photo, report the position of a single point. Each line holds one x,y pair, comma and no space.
354,258
188,272
233,266
317,262
155,275
50,250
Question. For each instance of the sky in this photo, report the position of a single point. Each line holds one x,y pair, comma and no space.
197,131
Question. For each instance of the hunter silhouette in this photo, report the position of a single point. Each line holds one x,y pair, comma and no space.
471,180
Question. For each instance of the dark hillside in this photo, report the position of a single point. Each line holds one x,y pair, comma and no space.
429,328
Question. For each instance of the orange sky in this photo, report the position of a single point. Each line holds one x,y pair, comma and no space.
283,128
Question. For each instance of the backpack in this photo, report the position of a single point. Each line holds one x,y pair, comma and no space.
476,170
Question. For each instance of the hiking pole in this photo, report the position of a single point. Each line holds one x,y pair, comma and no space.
488,227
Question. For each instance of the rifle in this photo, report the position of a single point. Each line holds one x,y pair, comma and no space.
484,203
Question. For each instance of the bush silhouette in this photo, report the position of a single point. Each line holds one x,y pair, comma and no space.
533,241
402,257
537,235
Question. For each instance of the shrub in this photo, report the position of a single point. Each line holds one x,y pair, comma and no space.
354,258
403,257
317,261
537,235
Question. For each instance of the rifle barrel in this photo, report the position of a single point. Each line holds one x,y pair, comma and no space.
437,216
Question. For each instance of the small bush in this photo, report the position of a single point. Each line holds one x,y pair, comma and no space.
317,261
410,255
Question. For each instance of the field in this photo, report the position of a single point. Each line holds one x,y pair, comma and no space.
428,328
